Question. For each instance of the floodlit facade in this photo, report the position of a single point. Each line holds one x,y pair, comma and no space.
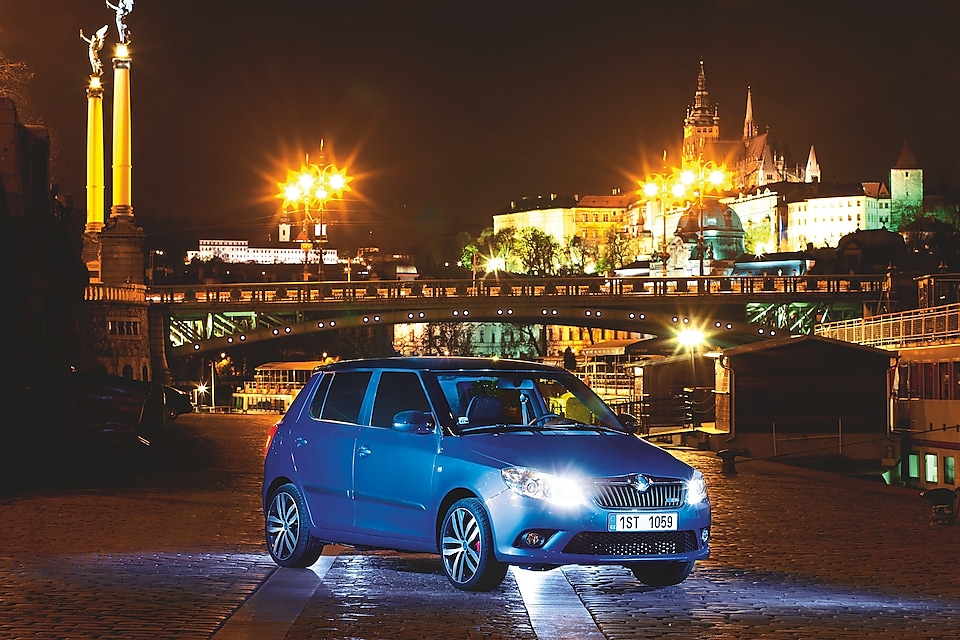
240,252
822,221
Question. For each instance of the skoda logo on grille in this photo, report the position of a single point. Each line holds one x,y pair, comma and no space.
641,483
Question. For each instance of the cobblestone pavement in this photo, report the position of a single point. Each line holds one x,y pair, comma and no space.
171,547
165,545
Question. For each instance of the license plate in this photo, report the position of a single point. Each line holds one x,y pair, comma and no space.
643,521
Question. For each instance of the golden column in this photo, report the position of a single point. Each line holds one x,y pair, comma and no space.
122,202
95,185
94,155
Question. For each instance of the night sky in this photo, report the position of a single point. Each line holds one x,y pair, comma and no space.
446,111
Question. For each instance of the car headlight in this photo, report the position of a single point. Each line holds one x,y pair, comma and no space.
696,489
543,486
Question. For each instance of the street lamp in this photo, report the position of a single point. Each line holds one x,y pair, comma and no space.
154,252
665,189
691,338
308,191
705,175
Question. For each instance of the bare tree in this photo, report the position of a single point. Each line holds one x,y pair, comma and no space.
578,254
618,250
538,251
14,77
521,340
447,339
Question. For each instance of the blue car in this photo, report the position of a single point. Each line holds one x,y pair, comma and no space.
486,462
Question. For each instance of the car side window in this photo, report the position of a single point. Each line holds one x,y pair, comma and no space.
345,397
317,403
398,391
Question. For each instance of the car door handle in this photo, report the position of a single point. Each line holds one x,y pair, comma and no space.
363,451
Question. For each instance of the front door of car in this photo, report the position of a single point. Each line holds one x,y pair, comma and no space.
395,467
325,447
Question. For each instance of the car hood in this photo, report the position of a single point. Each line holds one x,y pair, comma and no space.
584,453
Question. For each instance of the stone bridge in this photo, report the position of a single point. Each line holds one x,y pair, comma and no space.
729,310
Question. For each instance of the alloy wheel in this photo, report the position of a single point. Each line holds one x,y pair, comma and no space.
283,525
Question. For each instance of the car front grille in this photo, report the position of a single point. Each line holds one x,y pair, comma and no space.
624,493
632,544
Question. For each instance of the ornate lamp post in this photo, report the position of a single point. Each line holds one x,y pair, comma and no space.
308,191
705,175
664,189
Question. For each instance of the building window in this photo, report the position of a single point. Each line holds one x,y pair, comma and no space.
913,466
931,387
930,467
949,476
956,381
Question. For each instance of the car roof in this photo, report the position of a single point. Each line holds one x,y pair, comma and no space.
440,363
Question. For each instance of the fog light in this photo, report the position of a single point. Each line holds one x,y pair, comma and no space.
705,534
533,539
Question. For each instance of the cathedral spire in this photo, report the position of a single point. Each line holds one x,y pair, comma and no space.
812,174
702,124
749,128
702,98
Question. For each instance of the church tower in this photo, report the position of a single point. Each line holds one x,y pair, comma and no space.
702,124
906,189
812,172
749,126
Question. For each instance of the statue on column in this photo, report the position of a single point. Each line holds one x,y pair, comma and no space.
123,9
96,43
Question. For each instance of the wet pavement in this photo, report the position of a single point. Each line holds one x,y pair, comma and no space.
170,546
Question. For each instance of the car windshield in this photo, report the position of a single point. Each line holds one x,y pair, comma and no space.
507,399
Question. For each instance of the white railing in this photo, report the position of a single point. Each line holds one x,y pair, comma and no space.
917,326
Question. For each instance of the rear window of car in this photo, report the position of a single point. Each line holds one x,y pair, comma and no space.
345,396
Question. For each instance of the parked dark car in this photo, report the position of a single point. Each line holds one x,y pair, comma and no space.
486,462
94,408
177,402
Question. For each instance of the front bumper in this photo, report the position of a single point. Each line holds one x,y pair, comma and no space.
531,532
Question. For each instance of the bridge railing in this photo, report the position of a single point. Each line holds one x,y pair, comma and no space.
115,293
693,286
913,327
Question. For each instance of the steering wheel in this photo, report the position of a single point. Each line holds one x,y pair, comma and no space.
543,418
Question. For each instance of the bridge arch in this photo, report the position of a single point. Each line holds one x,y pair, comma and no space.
210,317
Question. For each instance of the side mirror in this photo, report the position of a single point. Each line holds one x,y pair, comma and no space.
629,422
414,421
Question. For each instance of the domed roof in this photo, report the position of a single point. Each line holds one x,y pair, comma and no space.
716,217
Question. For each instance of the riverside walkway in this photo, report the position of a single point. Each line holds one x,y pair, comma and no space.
171,547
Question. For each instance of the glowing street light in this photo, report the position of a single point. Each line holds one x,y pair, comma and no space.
690,338
665,189
307,191
705,175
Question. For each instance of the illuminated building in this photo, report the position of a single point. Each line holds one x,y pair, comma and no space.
753,159
564,217
906,189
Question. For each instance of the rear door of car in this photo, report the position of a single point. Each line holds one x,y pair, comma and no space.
395,468
325,446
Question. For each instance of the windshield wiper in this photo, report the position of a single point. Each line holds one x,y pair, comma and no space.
480,428
566,424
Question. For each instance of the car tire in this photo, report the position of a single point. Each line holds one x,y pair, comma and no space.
661,573
466,548
287,529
